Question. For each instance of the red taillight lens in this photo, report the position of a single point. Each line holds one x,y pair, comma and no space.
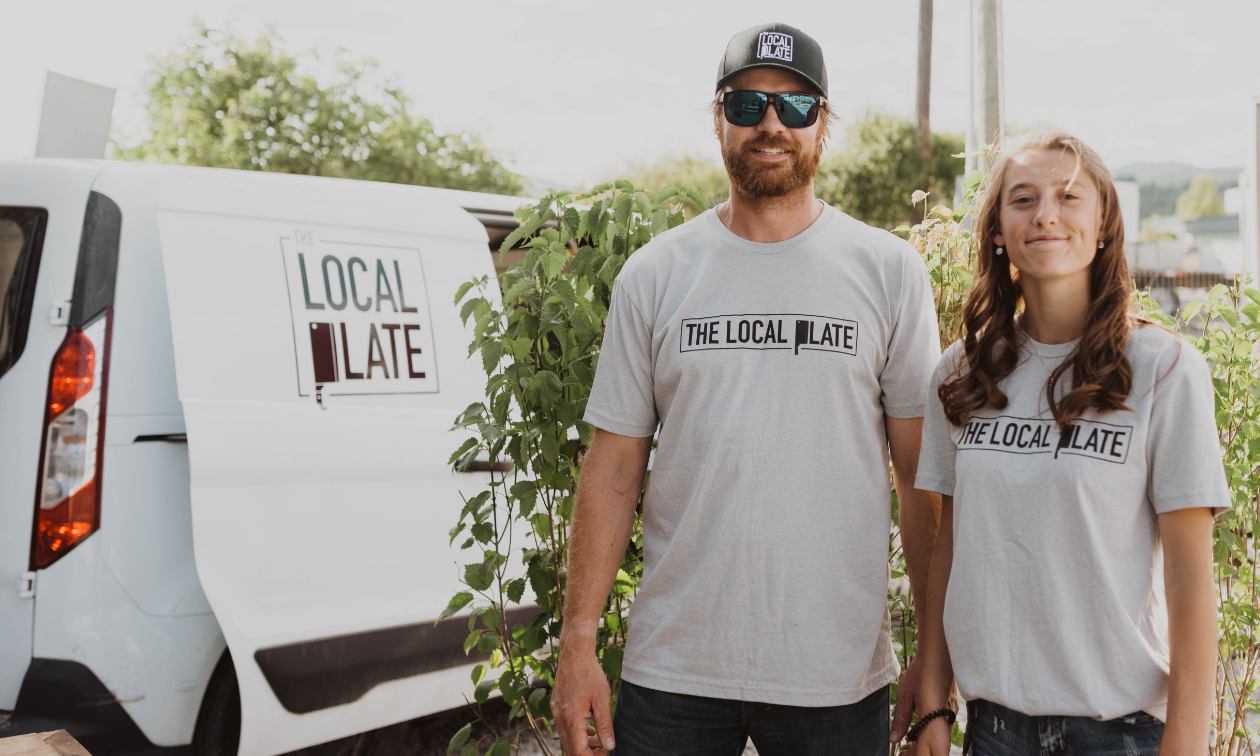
72,373
68,502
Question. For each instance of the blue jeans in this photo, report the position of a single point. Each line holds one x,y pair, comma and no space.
994,730
654,723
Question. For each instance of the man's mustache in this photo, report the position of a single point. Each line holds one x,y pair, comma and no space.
770,143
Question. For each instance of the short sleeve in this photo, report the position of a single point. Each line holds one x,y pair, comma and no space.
1183,449
938,451
622,400
915,346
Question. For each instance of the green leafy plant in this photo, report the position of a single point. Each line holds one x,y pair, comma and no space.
1226,329
539,345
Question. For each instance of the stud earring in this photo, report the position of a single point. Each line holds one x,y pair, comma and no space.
999,250
1102,245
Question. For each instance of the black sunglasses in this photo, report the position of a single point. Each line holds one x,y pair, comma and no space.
747,108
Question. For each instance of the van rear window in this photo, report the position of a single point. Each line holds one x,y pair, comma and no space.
21,243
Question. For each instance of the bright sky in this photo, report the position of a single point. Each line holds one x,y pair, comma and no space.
569,90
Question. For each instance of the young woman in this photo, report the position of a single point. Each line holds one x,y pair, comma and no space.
1076,449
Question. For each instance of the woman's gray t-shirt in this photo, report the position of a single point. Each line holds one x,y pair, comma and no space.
1055,603
769,368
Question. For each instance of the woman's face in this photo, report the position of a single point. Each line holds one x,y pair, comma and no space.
1049,220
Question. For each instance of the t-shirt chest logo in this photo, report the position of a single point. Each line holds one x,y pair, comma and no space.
788,332
1024,435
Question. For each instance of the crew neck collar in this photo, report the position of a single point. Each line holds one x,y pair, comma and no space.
1047,350
770,248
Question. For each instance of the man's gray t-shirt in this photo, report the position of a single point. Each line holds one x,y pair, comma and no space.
769,368
1055,603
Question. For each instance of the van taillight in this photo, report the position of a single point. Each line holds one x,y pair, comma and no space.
68,501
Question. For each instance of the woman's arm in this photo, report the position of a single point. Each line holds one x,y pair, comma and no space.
937,670
1188,582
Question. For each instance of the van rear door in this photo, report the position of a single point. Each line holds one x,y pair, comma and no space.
41,221
321,363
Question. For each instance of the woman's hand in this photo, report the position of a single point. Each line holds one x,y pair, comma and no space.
935,738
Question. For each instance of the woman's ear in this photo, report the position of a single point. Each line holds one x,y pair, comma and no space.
999,240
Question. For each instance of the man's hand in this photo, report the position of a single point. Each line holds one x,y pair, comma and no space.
582,692
907,697
603,519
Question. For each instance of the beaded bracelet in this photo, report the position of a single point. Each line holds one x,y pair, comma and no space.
917,727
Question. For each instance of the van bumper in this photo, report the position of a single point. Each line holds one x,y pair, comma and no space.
66,695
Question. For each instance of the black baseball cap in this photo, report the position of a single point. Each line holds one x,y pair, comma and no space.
774,46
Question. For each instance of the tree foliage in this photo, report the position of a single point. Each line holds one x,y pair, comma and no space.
222,101
1200,199
878,167
704,175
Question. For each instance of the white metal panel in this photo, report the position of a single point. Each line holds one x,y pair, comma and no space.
156,667
75,117
62,189
311,522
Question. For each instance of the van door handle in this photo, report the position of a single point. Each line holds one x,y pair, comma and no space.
173,438
483,465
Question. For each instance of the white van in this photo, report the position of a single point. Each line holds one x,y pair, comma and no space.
225,399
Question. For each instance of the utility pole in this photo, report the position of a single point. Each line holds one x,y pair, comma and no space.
992,129
923,95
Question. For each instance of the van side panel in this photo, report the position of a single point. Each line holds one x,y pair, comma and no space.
321,518
127,603
62,189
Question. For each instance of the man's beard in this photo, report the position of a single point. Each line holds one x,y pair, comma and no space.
754,179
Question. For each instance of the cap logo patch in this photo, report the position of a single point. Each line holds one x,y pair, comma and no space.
775,45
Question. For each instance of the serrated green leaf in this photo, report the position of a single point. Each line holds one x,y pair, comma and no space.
458,601
536,700
471,641
460,738
468,308
484,689
470,750
463,289
479,576
1192,309
483,532
478,673
489,641
698,198
462,450
501,747
553,263
515,589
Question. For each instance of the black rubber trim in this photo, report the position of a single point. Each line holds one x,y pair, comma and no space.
97,270
174,438
325,672
58,694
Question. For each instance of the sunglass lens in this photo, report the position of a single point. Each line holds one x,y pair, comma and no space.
797,111
745,108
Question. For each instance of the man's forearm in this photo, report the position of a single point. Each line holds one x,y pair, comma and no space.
603,519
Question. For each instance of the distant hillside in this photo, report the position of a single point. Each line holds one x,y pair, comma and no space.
1172,173
1159,184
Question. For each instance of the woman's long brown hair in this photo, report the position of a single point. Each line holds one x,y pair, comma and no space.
1101,374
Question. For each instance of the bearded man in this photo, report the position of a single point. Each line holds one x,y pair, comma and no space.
784,350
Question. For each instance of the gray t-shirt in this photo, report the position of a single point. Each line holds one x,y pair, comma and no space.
1055,603
769,368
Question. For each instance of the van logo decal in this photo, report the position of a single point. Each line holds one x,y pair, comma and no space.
361,322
